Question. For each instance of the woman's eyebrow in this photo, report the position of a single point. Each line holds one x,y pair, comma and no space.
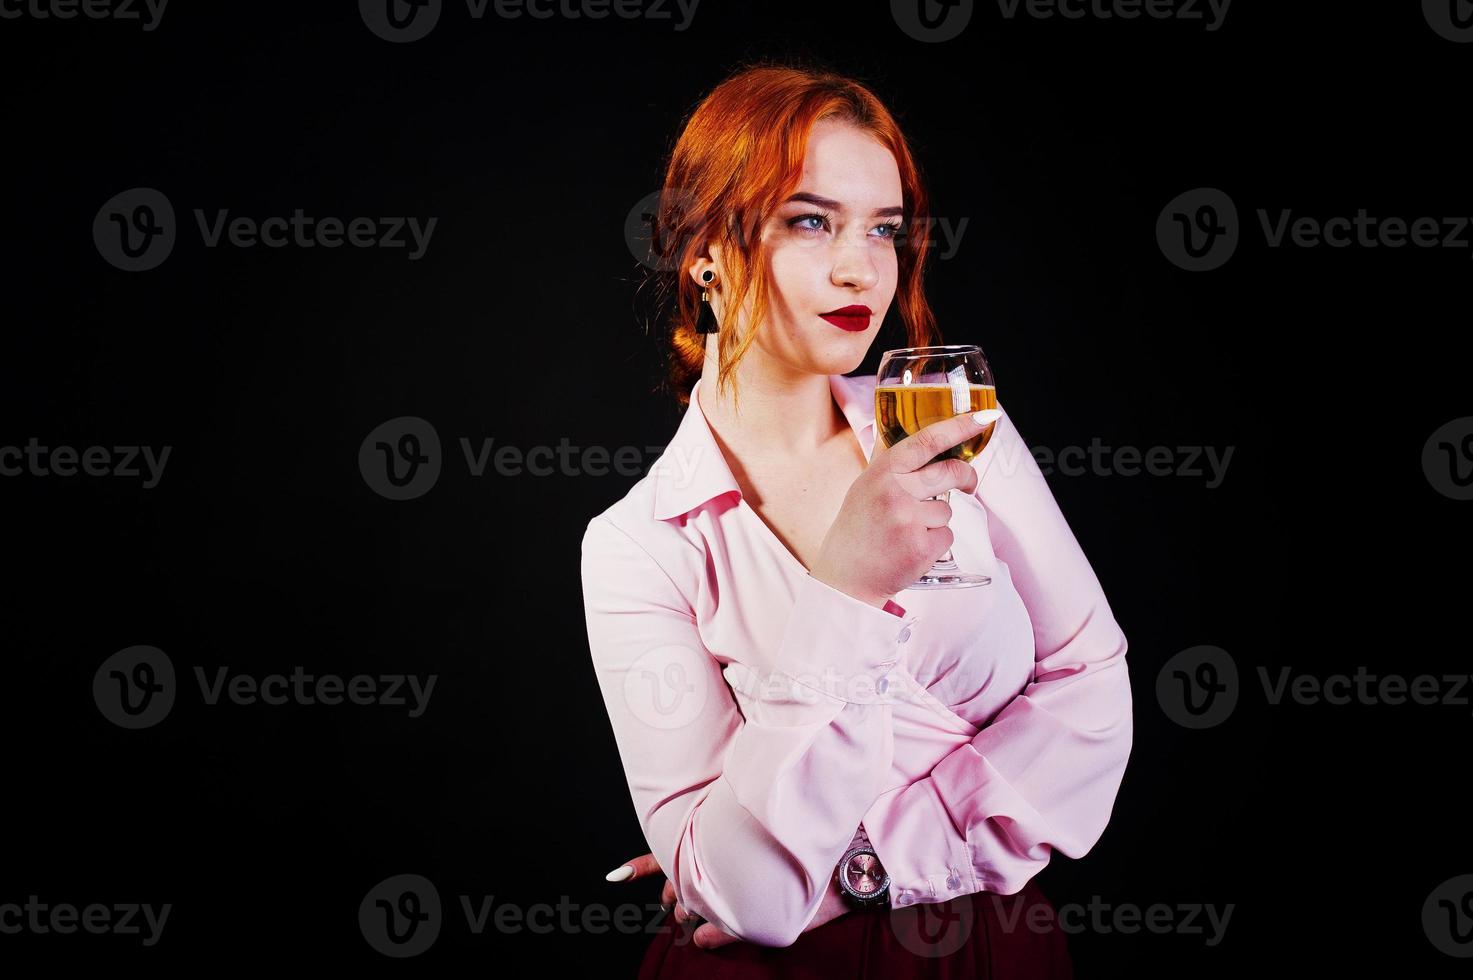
833,205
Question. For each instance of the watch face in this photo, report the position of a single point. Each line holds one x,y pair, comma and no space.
864,876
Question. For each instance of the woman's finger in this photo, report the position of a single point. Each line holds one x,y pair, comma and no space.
708,936
667,894
640,867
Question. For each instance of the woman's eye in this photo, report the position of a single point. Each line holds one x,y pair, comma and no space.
887,231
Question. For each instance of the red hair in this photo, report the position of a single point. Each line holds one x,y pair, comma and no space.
739,156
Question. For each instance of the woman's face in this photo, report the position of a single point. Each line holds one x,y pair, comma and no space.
831,245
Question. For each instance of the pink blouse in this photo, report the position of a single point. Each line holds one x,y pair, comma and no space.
763,717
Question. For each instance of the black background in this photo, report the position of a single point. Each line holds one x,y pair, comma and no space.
262,548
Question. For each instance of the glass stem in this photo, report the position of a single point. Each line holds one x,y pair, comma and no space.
946,563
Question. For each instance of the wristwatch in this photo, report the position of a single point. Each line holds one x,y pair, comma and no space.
860,875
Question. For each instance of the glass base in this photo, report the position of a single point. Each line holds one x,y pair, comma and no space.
946,575
950,580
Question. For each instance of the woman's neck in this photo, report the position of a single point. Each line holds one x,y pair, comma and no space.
785,414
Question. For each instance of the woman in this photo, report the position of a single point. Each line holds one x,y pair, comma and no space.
774,703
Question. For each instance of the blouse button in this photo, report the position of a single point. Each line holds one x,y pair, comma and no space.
952,882
904,635
882,685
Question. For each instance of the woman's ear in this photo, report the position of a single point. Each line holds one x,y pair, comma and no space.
703,264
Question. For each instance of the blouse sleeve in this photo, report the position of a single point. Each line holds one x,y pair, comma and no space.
747,815
1044,773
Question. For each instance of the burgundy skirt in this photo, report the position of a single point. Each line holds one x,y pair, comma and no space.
1000,937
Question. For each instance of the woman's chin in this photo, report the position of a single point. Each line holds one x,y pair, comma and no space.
846,352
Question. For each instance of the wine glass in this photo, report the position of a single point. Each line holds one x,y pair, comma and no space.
916,386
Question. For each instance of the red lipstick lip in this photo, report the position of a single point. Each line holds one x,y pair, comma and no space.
852,318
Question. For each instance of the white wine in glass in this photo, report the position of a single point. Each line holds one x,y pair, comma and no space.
916,386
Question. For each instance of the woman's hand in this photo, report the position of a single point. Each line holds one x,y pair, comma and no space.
706,935
887,534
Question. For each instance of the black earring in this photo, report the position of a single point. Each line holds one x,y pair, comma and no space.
706,322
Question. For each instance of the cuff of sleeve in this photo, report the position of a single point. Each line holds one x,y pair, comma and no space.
920,848
1000,826
841,645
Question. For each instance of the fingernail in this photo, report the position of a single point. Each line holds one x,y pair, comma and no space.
987,415
623,873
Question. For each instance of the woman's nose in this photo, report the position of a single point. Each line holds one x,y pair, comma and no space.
854,267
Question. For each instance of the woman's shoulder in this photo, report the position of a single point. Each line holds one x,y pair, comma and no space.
627,549
633,513
636,518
